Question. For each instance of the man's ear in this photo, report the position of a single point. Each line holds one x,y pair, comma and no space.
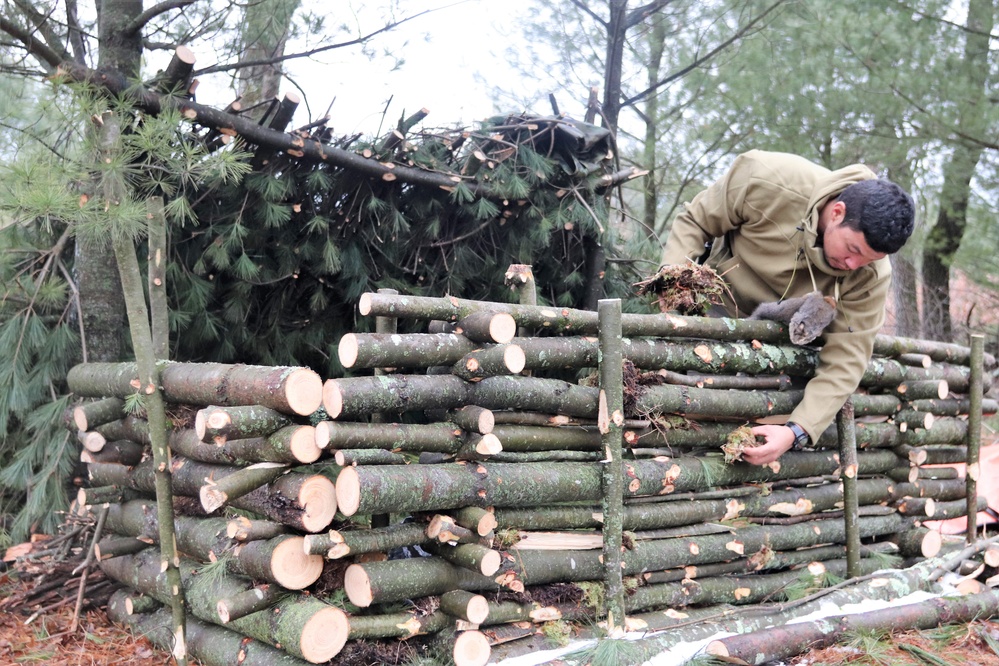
838,212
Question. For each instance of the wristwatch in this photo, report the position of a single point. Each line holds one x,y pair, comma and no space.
801,438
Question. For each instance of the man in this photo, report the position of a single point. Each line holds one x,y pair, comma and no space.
782,227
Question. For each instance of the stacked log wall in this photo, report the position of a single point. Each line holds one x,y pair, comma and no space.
491,472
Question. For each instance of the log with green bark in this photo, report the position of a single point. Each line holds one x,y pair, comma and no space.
242,528
929,389
769,560
293,444
393,580
936,454
354,457
301,624
280,559
568,321
668,399
210,644
472,556
379,489
131,427
476,519
746,589
402,625
121,451
465,606
285,389
218,424
430,437
216,493
303,501
355,397
89,415
954,406
109,547
249,601
788,640
506,359
337,544
414,350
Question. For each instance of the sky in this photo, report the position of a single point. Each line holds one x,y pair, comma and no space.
451,58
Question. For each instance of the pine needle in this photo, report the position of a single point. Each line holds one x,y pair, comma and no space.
610,652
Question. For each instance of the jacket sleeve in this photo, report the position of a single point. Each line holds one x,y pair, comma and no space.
845,355
713,212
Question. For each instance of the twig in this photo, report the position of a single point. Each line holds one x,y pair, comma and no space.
86,567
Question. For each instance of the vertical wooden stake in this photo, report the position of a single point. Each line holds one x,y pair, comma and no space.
610,420
158,308
520,278
846,427
974,441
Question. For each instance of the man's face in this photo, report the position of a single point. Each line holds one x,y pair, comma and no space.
845,248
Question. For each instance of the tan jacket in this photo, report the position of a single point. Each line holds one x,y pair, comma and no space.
763,216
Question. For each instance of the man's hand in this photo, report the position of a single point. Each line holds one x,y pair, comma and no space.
779,439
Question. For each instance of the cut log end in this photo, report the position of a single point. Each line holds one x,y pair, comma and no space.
303,391
322,433
201,424
93,441
303,445
222,609
471,648
502,327
490,563
324,635
185,54
292,567
212,498
348,491
932,543
317,497
80,419
717,648
357,584
332,398
364,304
477,609
489,445
943,389
487,524
486,421
347,350
514,359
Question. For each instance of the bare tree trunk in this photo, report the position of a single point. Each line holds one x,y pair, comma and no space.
944,239
264,34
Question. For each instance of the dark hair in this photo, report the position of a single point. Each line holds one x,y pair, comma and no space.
882,210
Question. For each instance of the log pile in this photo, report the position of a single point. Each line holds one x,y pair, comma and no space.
454,473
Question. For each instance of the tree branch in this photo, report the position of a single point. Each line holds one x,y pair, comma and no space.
639,14
148,15
34,46
305,54
579,4
43,24
701,60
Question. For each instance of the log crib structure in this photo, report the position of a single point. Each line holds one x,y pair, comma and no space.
453,490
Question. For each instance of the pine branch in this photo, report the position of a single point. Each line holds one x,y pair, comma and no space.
140,21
